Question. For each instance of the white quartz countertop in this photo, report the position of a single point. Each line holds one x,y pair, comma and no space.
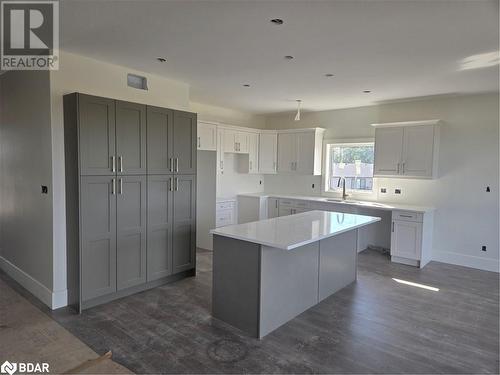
350,202
290,232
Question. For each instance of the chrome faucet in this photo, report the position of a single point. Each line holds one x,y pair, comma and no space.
344,195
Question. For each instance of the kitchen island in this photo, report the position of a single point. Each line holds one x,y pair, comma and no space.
269,271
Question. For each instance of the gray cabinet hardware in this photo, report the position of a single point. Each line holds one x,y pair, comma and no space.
199,141
171,164
176,184
392,230
398,168
113,164
120,161
121,186
113,186
177,164
403,167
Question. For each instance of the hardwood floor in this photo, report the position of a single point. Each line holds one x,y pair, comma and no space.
375,325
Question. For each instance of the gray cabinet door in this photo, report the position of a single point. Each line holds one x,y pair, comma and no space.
131,231
184,149
130,138
160,140
98,236
96,134
184,223
159,239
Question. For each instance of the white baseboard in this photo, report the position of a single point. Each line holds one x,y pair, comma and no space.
486,264
53,300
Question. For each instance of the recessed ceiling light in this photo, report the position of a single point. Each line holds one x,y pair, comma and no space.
277,21
367,91
289,57
328,75
161,59
246,85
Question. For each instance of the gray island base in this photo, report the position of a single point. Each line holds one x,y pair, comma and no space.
258,287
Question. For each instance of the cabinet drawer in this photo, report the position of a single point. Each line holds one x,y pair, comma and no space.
224,205
302,204
408,216
286,202
224,217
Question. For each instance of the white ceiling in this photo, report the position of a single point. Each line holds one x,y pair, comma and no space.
397,49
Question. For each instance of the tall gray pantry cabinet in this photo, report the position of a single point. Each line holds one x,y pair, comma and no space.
130,197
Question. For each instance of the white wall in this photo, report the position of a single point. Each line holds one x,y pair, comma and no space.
467,217
25,165
228,116
81,74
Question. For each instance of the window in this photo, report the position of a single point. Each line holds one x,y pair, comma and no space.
354,162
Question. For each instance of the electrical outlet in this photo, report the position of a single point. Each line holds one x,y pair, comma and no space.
383,190
260,182
397,191
45,189
313,186
483,248
488,189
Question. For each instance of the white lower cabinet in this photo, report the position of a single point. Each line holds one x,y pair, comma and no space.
411,238
225,213
291,207
272,207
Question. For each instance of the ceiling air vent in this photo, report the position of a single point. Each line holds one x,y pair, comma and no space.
137,82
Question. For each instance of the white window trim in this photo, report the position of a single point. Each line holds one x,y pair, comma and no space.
337,193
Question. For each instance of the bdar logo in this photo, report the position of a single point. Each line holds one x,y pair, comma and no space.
8,368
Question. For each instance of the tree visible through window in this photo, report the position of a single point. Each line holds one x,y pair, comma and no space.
354,162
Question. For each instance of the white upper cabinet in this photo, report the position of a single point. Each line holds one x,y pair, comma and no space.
207,136
388,151
287,151
418,150
236,141
300,151
268,152
406,149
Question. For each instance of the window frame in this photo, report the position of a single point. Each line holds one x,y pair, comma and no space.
326,167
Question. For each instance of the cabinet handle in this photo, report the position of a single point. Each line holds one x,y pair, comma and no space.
120,160
250,165
113,164
398,168
403,168
113,186
121,186
176,184
408,216
177,164
199,142
392,227
276,203
221,163
170,184
274,166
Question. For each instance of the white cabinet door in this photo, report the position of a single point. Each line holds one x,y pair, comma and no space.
229,140
220,151
388,151
406,239
285,211
207,136
418,147
242,142
287,150
253,153
305,143
272,208
268,153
